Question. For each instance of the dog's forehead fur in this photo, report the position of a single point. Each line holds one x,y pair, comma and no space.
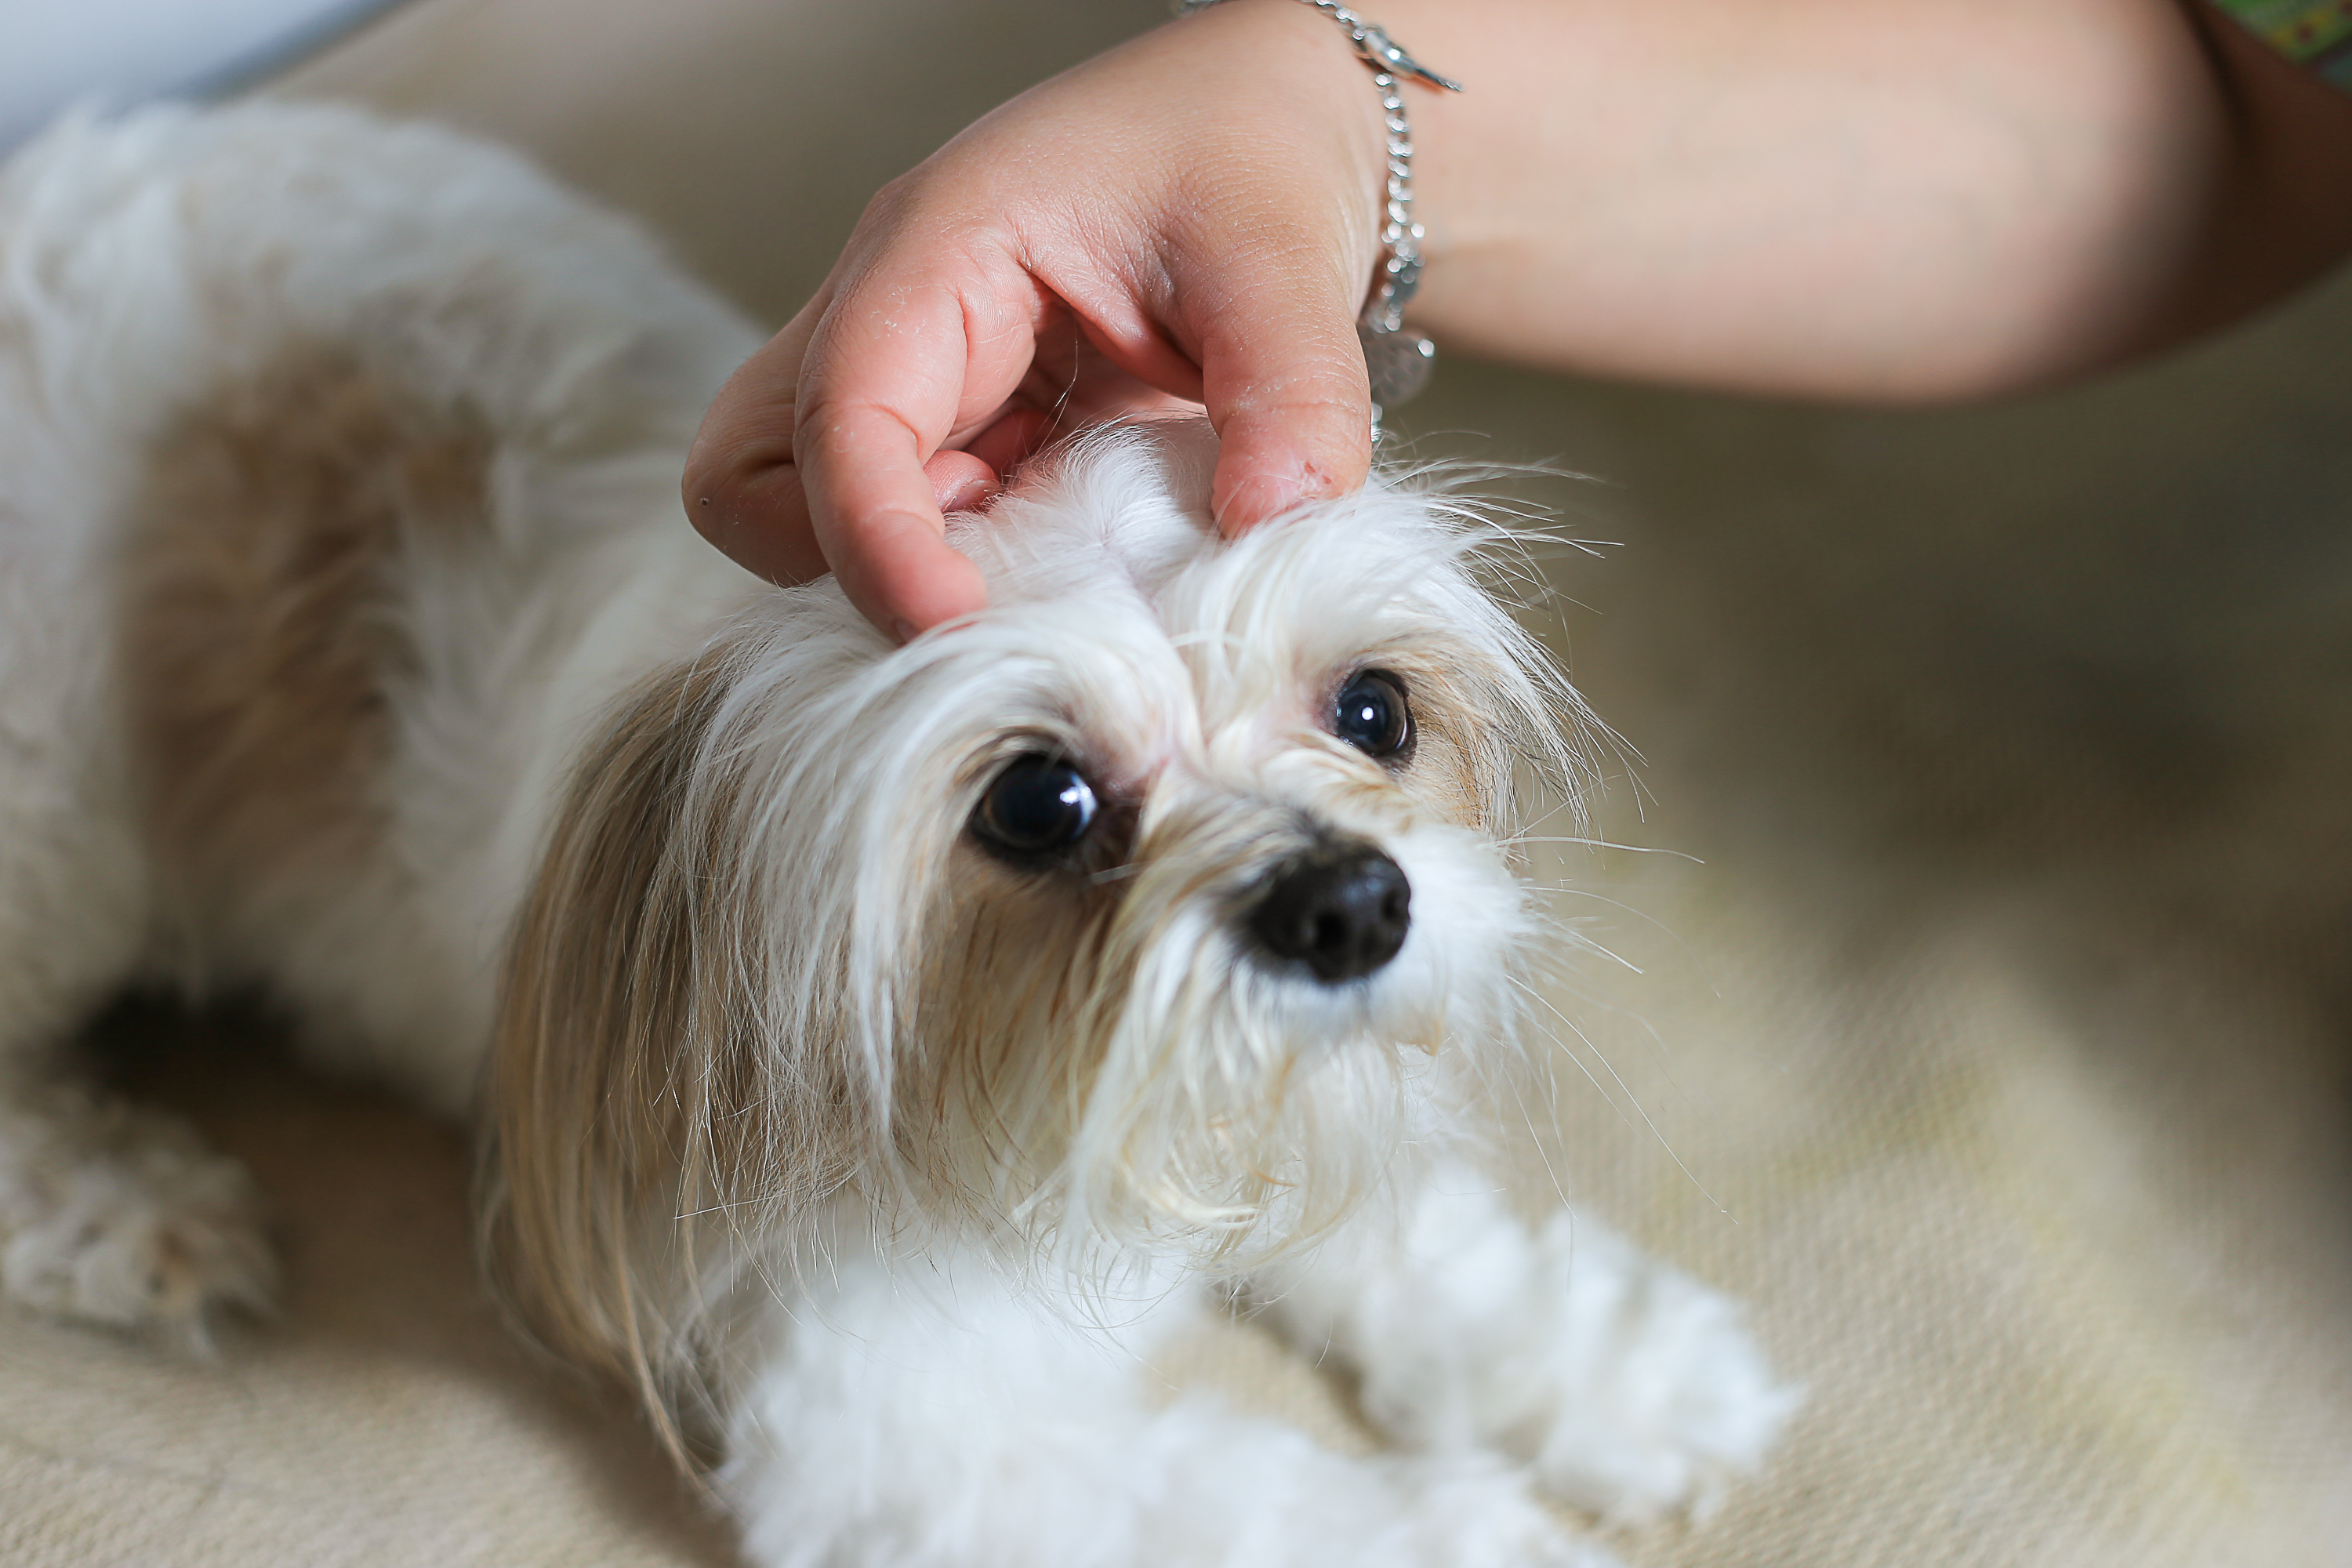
1123,625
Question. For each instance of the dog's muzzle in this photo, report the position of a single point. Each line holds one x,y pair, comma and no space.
1342,908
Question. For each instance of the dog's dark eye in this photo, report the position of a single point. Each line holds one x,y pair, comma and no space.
1372,714
1036,806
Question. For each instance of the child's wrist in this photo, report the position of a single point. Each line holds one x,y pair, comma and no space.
1398,360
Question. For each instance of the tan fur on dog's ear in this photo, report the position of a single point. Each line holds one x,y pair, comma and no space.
622,1108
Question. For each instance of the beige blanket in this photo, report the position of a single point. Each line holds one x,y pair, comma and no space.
1992,1042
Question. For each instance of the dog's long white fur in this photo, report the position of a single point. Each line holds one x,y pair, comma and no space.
350,646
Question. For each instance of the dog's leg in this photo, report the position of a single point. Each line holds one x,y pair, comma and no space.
1630,1388
111,1213
107,1212
936,1413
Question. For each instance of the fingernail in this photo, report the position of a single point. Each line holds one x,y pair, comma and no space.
1263,495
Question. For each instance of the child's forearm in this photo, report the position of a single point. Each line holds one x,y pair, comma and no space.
1841,198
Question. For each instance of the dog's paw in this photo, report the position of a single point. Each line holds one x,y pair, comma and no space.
1629,1389
1473,1515
1192,1486
121,1215
1643,1392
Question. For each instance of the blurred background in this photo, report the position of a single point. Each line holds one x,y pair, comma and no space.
114,52
1985,906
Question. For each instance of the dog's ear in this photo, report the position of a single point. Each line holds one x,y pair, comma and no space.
611,1065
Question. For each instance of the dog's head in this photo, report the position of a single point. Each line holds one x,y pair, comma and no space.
1136,909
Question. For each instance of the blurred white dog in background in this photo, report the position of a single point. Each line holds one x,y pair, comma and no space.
881,1052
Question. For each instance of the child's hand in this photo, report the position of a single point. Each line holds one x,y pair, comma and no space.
1191,216
1889,202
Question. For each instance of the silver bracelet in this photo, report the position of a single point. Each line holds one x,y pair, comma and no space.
1397,361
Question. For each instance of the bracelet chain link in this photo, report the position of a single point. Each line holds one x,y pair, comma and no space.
1398,360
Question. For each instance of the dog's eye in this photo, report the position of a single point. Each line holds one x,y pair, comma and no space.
1372,714
1036,806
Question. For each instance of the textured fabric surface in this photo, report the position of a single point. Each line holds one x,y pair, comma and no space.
1983,1012
387,1419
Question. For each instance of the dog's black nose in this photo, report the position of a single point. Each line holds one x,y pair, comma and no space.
1341,909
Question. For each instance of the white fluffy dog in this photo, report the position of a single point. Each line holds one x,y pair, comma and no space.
882,1052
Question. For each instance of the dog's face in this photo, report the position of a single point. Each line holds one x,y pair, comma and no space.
1133,910
1217,864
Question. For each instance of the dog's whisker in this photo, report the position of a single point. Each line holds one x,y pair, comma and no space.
1633,1100
1602,843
